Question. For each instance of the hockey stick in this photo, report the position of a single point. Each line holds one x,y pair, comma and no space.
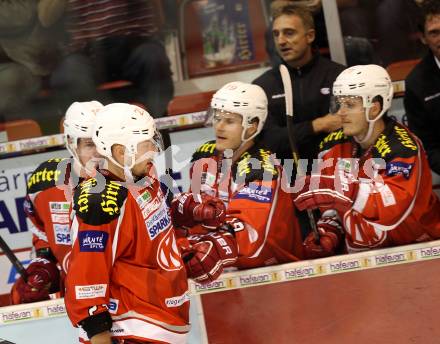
288,96
13,259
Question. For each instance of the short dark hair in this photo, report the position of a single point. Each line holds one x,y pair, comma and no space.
296,10
429,8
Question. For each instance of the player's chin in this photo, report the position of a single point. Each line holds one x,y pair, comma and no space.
221,144
348,131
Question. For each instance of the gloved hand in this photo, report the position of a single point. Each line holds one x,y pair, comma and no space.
187,212
208,254
43,279
330,237
327,192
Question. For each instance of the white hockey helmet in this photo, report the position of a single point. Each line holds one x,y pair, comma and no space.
78,123
247,100
126,125
367,82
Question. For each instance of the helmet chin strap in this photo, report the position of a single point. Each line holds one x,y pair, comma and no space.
77,164
371,123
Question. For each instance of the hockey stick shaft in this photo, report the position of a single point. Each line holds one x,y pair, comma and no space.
288,96
13,259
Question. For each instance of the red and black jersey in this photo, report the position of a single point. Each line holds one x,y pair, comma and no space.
47,205
125,263
395,204
267,230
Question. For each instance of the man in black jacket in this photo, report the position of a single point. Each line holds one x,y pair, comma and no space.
312,77
422,88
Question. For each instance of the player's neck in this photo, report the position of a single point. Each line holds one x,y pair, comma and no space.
243,148
115,170
379,127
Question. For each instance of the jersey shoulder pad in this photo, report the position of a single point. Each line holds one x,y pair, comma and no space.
257,165
395,143
97,206
48,174
333,139
206,150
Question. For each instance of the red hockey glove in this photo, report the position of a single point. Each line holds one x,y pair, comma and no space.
205,259
187,212
330,237
43,279
326,192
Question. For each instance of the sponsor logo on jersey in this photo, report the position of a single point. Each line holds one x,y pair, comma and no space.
113,306
150,207
168,254
109,197
177,301
44,175
59,207
60,218
62,234
382,146
335,136
143,199
267,163
207,148
261,194
83,198
404,138
90,291
92,241
399,168
158,222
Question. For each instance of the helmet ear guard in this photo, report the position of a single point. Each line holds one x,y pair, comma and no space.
247,100
367,82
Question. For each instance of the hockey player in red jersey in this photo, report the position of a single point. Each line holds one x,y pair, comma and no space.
238,169
375,185
126,279
47,205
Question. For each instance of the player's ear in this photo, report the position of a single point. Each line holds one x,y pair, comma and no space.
118,152
252,128
375,109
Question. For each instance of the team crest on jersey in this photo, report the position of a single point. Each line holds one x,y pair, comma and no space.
168,255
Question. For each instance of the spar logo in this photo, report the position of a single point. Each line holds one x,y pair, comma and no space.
168,255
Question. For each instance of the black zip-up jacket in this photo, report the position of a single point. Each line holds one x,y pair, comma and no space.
312,85
422,106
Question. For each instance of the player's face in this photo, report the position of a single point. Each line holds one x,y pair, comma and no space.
292,40
86,150
352,113
228,128
431,36
147,150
